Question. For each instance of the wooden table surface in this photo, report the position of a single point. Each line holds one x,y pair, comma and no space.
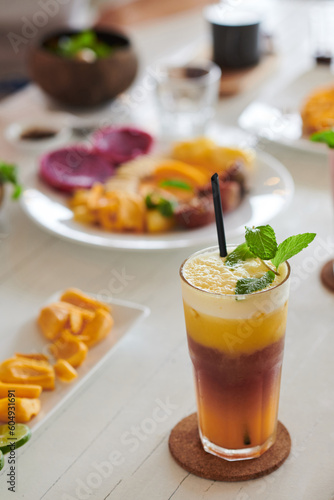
107,442
133,14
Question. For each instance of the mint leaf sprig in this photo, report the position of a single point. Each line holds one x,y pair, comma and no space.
325,136
261,242
291,246
250,285
8,173
164,206
176,183
239,254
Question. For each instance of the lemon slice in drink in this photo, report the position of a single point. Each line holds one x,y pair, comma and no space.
13,439
2,460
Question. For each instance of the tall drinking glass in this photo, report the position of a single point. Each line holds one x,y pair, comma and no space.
236,346
327,272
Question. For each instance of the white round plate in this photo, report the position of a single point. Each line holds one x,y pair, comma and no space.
278,119
272,190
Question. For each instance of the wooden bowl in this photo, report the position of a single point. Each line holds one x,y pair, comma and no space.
79,83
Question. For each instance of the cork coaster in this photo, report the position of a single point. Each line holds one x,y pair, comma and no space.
187,450
327,275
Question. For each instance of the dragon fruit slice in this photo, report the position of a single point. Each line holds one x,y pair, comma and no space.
73,168
119,145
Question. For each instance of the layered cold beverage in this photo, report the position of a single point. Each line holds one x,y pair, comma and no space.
236,345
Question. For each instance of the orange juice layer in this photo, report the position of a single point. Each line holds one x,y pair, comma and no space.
235,336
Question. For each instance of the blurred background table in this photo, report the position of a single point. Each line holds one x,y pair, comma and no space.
114,411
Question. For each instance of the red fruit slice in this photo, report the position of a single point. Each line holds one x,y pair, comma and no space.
196,213
119,145
73,168
231,195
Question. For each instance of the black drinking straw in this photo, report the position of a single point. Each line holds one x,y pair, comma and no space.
219,215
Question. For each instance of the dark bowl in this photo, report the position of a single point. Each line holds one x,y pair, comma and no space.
79,83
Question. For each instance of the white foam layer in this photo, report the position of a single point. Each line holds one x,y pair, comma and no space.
231,306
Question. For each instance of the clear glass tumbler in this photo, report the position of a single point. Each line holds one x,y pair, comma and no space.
236,346
186,97
321,23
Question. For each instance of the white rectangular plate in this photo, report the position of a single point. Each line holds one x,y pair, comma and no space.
29,339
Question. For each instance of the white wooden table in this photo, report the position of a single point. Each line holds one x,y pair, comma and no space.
111,440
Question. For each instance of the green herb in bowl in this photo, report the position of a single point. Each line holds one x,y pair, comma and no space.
83,46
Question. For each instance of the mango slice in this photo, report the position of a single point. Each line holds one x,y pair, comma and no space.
64,371
157,223
204,152
28,371
98,329
37,356
20,390
70,348
52,319
56,317
24,409
77,298
120,211
76,322
79,315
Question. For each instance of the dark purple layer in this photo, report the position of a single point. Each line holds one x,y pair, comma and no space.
236,369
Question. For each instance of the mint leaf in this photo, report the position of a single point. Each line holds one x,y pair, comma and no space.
251,285
165,207
261,241
326,136
291,246
17,192
176,183
150,203
239,254
8,173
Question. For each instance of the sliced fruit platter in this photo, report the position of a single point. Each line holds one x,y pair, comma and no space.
123,188
120,184
73,324
70,337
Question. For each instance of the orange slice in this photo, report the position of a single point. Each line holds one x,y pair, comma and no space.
178,170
